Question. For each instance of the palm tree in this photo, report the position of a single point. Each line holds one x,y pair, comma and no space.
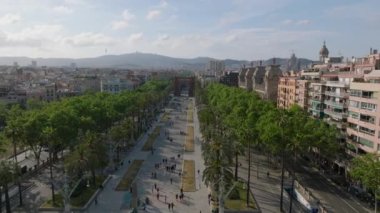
7,175
15,132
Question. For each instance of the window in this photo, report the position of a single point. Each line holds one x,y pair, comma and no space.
367,118
366,130
353,115
368,106
356,93
367,94
354,104
352,126
366,142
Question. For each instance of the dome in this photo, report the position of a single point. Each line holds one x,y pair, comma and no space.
324,50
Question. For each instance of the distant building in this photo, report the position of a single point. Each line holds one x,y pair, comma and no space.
323,53
215,67
230,79
34,64
293,63
115,85
85,83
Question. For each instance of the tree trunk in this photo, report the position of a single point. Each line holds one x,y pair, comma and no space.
292,187
7,200
236,165
249,173
375,201
93,177
282,180
16,168
1,200
51,177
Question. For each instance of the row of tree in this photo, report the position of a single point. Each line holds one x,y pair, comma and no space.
234,121
80,124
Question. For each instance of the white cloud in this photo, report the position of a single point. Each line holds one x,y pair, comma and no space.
296,22
133,38
163,4
153,14
127,17
287,22
303,22
89,39
62,9
9,18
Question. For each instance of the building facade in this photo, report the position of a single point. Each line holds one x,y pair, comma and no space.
364,115
286,92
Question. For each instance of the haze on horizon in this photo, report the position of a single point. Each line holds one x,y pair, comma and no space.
238,29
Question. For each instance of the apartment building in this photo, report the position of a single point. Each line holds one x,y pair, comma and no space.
286,96
364,115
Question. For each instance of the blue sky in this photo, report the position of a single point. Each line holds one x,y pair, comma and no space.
238,29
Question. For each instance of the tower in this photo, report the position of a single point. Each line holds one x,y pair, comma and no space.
323,53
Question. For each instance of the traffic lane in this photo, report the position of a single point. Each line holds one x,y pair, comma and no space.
336,200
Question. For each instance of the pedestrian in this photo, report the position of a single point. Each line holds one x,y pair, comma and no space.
172,205
198,171
155,186
169,206
96,200
158,196
268,174
171,180
181,190
176,196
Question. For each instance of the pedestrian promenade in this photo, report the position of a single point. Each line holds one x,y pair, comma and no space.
156,179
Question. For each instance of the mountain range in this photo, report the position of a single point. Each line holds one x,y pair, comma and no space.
139,61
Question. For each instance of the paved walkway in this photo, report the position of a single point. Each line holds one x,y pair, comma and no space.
110,200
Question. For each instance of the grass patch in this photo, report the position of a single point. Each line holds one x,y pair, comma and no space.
79,200
188,177
165,117
58,202
190,116
237,199
189,145
129,176
151,139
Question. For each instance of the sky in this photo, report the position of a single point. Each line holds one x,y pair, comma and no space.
237,29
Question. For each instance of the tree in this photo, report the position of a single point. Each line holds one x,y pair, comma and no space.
7,175
273,130
89,156
14,131
366,169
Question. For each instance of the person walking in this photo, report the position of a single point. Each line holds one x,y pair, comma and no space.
169,206
172,206
171,180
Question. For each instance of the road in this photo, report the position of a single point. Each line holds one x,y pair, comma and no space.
332,197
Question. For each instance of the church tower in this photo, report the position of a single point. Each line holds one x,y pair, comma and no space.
323,53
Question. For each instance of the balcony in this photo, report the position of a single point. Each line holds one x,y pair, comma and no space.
338,124
336,115
336,84
334,94
336,104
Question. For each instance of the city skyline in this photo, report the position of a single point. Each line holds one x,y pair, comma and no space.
238,29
